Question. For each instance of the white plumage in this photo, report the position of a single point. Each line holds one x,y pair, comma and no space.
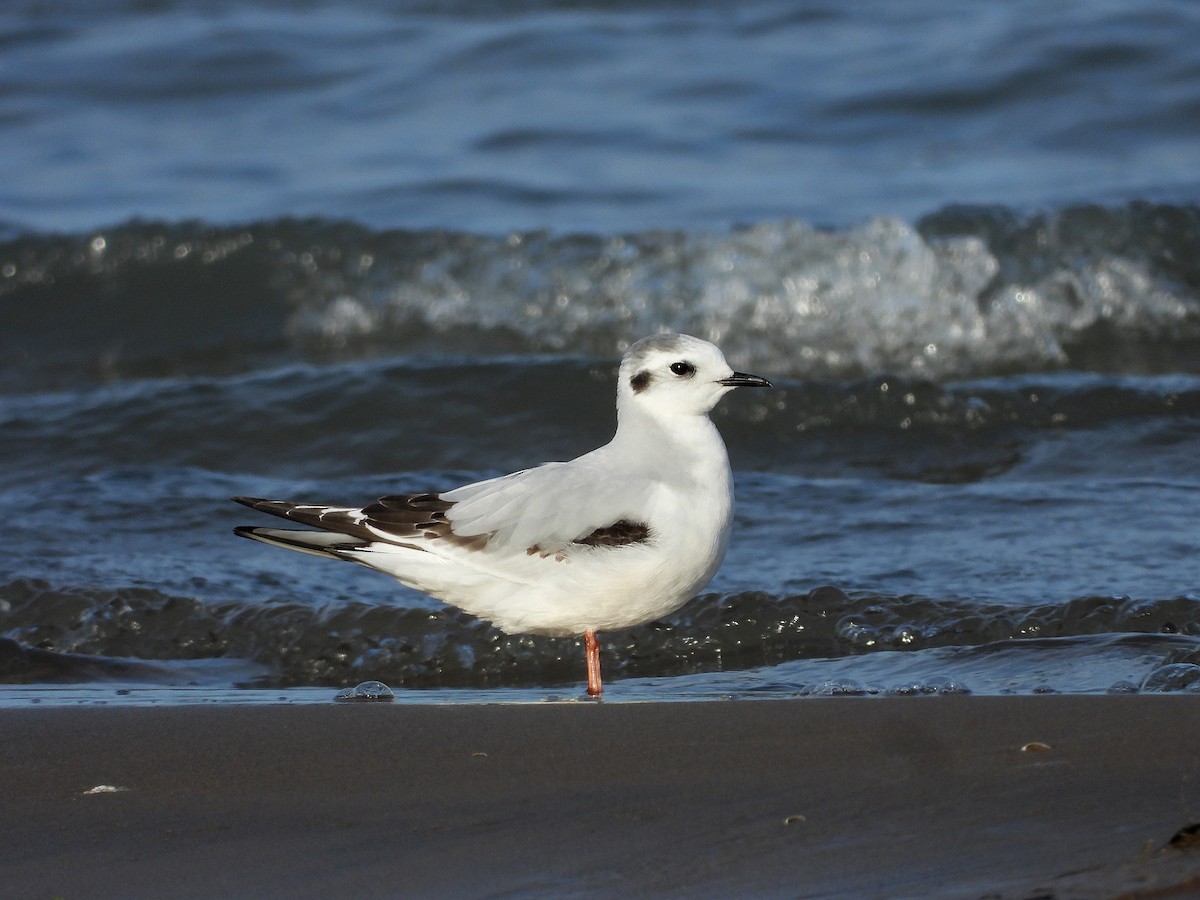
617,537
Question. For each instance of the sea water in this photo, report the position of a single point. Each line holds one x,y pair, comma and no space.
328,254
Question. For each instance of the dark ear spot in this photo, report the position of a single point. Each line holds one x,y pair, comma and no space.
640,381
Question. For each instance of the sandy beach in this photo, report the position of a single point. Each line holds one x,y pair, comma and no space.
897,797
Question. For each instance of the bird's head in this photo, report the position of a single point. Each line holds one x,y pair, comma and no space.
677,375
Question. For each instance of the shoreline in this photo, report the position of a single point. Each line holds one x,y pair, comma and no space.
861,797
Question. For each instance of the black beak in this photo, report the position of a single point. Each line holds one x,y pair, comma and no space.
741,379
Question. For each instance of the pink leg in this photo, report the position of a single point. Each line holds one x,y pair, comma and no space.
592,647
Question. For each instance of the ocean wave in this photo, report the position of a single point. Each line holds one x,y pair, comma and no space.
965,293
299,644
476,418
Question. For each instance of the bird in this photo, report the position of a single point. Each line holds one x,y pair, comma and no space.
615,538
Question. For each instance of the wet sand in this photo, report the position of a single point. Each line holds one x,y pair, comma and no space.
854,797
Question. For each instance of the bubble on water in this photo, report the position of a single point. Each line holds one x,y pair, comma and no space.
838,687
948,685
935,685
367,692
1183,677
912,688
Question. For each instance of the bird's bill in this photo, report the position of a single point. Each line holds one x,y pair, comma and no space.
741,379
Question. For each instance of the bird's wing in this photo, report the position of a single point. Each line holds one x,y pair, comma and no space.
548,507
539,510
399,519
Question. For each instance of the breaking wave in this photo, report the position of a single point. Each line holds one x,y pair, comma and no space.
81,635
963,293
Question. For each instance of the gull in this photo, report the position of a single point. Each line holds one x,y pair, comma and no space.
615,538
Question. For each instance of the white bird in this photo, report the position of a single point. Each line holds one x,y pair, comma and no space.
617,537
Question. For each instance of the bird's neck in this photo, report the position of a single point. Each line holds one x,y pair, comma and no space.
688,442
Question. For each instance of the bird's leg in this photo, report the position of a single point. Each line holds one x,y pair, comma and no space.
592,647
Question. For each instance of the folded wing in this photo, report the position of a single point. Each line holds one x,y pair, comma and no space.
549,507
540,510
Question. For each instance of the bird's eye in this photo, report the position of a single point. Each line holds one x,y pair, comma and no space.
683,369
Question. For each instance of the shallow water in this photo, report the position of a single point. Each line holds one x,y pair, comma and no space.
977,471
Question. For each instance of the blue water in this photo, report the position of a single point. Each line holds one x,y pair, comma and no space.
330,252
598,117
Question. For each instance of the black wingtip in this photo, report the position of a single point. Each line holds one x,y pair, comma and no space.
247,501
